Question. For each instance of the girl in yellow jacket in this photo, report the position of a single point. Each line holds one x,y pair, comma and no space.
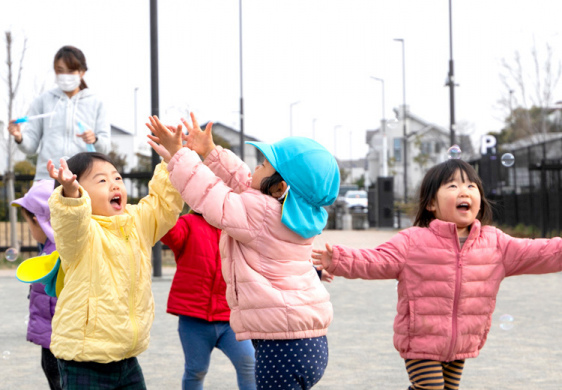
105,310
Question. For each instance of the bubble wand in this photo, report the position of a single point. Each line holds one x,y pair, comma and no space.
25,119
81,130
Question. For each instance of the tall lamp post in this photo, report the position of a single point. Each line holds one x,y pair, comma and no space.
241,83
451,78
401,40
383,128
291,116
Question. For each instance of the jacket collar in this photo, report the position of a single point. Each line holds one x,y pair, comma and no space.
120,225
449,229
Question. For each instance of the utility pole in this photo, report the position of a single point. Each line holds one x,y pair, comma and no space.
404,116
155,109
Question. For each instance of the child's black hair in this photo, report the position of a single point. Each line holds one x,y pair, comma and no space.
444,173
268,182
74,59
28,213
81,163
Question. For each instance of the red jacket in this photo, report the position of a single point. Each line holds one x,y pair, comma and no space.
198,289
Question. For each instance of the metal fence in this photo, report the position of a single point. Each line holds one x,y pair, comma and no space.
529,191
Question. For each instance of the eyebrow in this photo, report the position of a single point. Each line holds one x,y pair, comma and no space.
103,174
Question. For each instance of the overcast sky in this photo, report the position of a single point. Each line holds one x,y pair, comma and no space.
320,53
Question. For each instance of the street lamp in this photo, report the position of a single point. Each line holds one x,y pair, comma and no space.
241,82
291,116
383,127
336,127
451,78
401,40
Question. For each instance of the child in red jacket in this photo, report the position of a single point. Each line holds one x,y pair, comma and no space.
197,297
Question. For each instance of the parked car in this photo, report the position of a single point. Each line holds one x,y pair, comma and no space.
356,201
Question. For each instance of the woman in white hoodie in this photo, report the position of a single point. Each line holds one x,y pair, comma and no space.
77,121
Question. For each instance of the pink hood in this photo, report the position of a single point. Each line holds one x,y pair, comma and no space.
446,296
272,289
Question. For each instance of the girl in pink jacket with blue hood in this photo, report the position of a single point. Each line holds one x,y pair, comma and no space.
449,267
269,221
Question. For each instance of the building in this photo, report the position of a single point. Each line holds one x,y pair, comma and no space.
427,145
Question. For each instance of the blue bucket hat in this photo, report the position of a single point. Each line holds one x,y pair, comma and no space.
314,179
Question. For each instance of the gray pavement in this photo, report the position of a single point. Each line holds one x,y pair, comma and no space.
362,356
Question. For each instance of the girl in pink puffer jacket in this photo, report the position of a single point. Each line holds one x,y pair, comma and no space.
268,221
449,267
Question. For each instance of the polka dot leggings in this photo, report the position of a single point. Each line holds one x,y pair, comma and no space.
290,364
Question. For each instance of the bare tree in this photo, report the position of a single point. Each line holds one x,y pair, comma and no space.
9,175
529,92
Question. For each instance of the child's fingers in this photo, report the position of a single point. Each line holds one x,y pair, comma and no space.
209,128
153,138
194,120
187,125
329,248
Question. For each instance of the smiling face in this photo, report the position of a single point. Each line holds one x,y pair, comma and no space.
262,171
458,201
106,189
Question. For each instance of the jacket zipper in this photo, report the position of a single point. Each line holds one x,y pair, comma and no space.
132,315
456,303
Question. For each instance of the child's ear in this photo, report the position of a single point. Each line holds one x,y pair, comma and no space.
431,206
277,190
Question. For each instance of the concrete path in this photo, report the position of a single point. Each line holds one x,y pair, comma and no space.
362,356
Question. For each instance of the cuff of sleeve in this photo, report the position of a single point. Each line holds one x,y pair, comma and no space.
213,156
335,260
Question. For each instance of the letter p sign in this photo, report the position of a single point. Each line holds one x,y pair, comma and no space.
488,141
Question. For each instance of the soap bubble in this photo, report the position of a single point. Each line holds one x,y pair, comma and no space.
506,322
26,319
508,160
11,254
392,123
6,355
454,152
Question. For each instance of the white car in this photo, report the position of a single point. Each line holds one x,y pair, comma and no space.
356,201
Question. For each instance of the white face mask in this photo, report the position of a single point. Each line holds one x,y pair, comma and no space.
68,82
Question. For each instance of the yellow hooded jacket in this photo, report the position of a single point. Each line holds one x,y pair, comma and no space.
105,310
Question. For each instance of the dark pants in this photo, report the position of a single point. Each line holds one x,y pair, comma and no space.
124,374
290,364
50,368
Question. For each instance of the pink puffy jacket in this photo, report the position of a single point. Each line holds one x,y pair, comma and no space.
272,289
446,295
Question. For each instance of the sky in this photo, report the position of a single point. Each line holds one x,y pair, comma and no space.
312,58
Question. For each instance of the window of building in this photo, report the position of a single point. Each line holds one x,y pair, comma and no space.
398,149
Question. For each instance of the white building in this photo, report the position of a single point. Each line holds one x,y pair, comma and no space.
427,145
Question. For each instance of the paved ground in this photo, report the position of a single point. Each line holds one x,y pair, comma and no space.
529,356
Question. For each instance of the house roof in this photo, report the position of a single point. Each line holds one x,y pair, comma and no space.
232,130
119,131
534,139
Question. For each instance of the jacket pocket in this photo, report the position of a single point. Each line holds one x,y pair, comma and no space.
412,324
91,317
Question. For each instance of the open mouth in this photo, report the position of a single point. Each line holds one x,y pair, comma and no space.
463,206
116,201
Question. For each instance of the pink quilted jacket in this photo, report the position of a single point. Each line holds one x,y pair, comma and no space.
446,295
272,289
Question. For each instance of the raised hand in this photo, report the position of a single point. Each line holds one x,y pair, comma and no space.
65,177
15,130
197,140
169,138
321,258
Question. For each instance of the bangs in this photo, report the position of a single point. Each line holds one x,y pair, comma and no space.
72,57
466,171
